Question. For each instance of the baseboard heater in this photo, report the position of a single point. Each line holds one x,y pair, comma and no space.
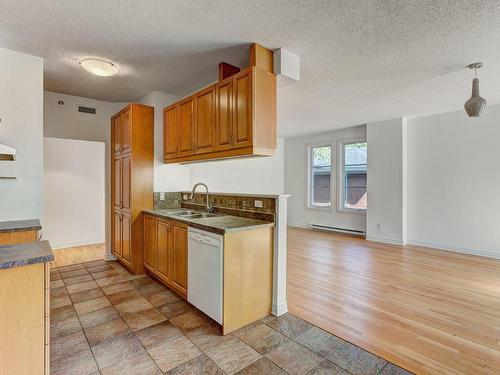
352,232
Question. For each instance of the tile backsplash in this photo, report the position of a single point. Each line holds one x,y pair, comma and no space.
172,200
236,205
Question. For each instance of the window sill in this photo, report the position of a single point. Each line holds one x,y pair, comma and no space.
351,211
323,209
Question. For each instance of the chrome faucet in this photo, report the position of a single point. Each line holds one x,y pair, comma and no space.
191,196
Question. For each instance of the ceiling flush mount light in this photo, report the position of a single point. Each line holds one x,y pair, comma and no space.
475,105
99,67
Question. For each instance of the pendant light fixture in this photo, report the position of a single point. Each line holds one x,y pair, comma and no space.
475,105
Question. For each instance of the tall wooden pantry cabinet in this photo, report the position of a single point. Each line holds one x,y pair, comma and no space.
132,150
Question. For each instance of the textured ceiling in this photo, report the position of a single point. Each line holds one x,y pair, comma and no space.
361,61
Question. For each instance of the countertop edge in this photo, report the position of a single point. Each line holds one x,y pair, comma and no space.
20,225
42,253
209,228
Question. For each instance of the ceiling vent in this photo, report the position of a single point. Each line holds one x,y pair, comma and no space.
87,110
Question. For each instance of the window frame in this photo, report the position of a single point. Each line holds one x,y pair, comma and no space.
341,173
309,184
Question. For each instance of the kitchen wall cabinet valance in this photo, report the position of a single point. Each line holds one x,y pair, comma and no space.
131,181
232,118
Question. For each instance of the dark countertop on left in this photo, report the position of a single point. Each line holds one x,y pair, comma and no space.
24,254
19,225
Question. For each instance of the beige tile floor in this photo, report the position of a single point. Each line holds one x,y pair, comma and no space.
106,321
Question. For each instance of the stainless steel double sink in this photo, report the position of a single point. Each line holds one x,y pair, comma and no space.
193,214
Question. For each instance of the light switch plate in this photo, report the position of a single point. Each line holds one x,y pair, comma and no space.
258,204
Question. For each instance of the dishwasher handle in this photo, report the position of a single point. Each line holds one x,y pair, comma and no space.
207,240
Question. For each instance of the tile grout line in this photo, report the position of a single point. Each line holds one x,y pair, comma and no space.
79,322
323,358
298,343
121,317
345,342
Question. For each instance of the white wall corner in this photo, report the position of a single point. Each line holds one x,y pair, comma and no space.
404,214
279,305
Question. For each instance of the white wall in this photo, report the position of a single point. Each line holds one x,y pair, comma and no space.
167,177
296,181
453,184
256,175
386,174
21,127
74,192
64,121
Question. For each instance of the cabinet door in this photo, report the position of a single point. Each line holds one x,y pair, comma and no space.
205,120
170,124
186,127
242,127
117,135
125,185
126,236
224,115
179,256
117,183
126,130
163,248
117,233
150,250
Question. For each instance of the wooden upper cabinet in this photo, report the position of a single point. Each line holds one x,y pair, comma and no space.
164,248
242,128
170,126
150,249
117,135
126,131
122,129
234,117
179,256
224,115
186,127
204,104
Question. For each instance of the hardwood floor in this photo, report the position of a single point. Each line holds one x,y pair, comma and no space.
429,311
79,254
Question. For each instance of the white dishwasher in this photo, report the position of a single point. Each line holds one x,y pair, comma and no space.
205,262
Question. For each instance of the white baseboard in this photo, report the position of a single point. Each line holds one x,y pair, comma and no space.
109,256
90,241
456,249
279,310
390,241
298,225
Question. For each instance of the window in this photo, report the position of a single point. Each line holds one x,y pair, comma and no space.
320,176
353,195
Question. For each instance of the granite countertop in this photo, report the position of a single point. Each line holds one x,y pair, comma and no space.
219,224
19,225
24,254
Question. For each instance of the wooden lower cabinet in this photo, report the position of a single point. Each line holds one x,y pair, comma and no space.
165,251
9,238
150,250
121,242
25,320
179,257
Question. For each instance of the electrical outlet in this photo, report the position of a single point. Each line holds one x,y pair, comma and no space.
162,196
184,197
258,204
379,226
